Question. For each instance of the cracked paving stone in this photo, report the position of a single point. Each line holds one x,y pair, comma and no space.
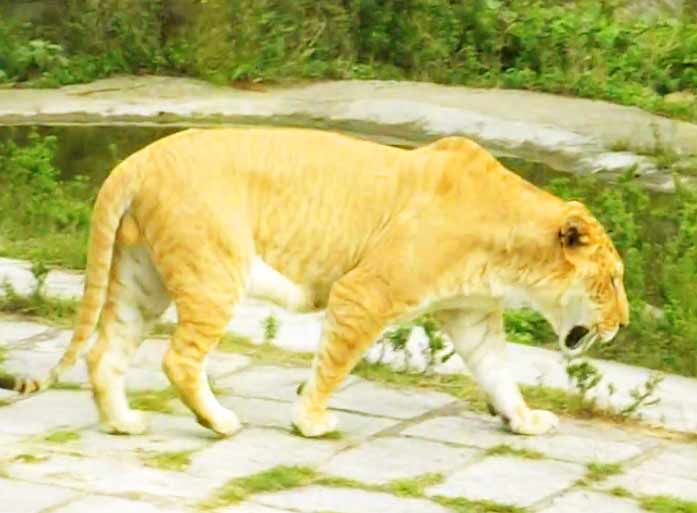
648,480
103,504
316,499
168,433
20,497
583,501
48,411
486,432
386,459
509,480
113,476
256,449
268,413
270,382
401,403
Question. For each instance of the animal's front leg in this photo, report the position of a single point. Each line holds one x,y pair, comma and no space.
479,339
358,309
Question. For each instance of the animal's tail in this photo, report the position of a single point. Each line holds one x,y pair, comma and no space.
112,202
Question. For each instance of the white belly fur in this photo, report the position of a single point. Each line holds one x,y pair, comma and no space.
267,283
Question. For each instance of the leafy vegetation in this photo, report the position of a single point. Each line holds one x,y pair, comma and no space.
42,218
584,48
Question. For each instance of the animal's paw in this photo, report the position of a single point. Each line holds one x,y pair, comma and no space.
312,422
533,422
225,423
135,423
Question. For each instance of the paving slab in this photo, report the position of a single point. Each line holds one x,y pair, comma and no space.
270,382
584,501
400,403
111,476
270,413
105,504
20,497
487,432
256,449
318,499
509,480
386,459
649,480
168,433
48,411
13,330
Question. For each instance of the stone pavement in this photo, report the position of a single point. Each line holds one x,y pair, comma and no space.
53,459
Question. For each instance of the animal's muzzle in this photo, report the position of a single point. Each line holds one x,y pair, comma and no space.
575,336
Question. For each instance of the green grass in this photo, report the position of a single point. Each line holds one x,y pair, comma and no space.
58,311
596,472
62,437
29,458
272,480
618,491
666,504
415,486
462,505
507,450
153,400
175,460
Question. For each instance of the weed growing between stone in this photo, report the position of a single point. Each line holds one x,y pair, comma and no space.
666,504
596,472
271,326
62,437
58,311
272,480
462,505
153,400
507,450
29,458
175,460
287,477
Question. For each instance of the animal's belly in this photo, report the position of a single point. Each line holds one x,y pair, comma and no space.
267,283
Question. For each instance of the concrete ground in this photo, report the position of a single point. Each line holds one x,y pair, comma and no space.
53,459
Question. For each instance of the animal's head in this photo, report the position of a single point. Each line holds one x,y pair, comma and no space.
593,304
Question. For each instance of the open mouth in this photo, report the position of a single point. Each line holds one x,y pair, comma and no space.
576,337
577,341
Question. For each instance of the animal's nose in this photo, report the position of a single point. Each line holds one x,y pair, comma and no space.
624,324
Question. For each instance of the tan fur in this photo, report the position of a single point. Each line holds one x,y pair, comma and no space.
375,234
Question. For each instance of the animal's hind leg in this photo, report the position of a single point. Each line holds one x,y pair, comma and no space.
360,305
206,283
135,300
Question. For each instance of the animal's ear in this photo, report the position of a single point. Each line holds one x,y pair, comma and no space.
574,232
